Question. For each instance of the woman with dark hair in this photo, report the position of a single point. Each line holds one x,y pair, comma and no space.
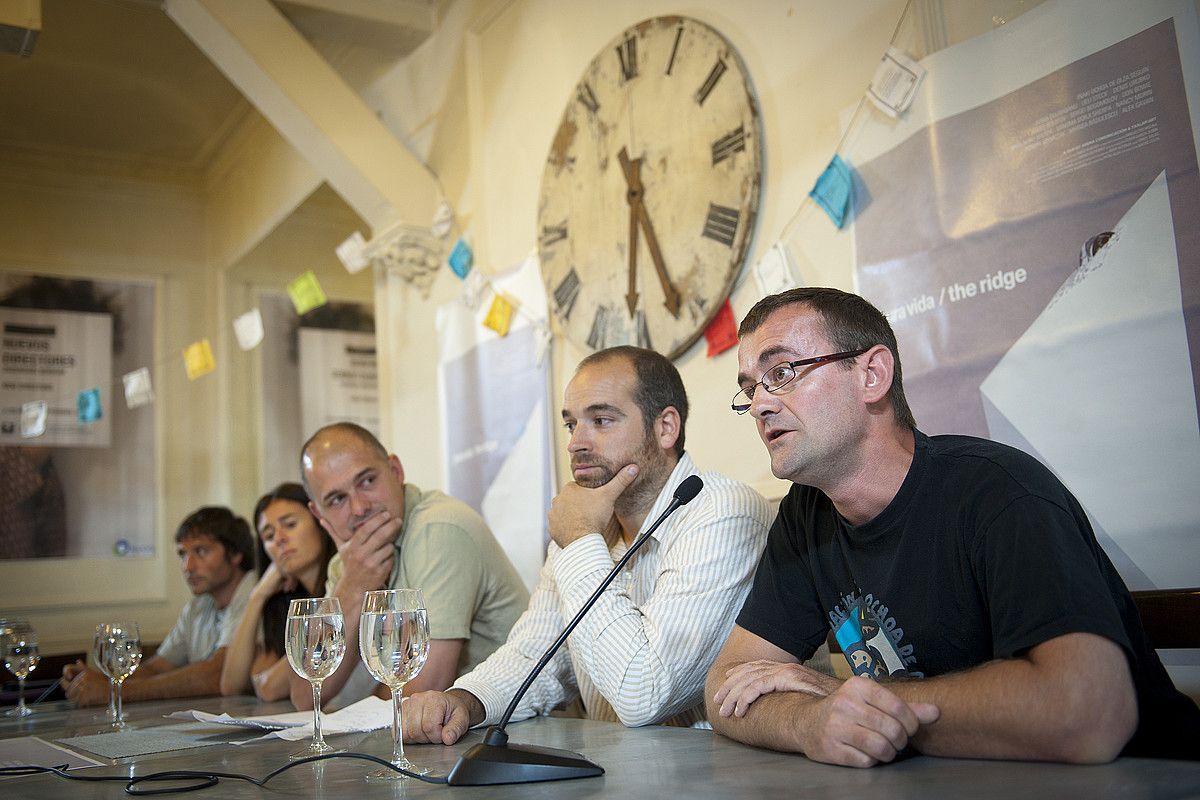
292,555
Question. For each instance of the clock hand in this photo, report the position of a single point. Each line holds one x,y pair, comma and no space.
633,197
633,178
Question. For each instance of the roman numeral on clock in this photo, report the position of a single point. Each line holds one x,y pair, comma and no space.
674,49
586,96
727,145
710,82
567,292
642,330
552,234
599,334
627,53
721,224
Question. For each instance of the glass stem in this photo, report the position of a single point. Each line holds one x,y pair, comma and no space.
118,693
112,700
318,740
22,709
397,729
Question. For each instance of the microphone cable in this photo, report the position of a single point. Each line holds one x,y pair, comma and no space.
203,779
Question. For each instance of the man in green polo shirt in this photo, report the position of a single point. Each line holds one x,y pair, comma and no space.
394,535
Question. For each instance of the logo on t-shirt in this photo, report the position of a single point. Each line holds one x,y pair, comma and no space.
871,640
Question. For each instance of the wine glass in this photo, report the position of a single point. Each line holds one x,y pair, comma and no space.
21,657
120,654
393,639
98,651
315,643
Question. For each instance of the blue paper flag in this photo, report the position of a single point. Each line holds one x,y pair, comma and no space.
832,191
461,258
88,403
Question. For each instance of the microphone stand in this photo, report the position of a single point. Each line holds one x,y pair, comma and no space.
494,760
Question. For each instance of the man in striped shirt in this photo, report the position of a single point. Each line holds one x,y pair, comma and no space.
641,654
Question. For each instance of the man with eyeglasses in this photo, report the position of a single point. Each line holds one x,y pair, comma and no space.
960,578
642,653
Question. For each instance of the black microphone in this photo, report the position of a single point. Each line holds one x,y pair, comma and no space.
494,760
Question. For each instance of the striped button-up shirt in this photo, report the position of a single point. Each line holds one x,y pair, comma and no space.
641,655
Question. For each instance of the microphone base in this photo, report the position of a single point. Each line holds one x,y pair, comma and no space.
487,764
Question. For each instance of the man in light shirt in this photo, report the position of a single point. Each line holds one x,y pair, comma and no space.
641,654
390,533
215,553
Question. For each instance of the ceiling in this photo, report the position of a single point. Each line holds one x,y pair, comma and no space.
115,82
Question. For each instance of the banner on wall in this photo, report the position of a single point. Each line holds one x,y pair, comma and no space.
338,379
52,356
495,421
1036,251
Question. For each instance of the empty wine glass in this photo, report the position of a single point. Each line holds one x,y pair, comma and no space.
98,651
20,651
393,640
120,653
315,643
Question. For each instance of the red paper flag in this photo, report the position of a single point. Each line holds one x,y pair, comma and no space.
721,333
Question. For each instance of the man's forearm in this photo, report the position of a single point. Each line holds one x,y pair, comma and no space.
199,679
774,720
1012,710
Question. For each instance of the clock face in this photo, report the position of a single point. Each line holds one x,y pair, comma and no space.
651,189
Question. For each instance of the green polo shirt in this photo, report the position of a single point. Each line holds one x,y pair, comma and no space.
472,591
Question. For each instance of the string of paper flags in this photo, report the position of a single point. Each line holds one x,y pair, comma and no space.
892,91
198,360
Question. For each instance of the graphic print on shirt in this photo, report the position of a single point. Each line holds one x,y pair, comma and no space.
870,639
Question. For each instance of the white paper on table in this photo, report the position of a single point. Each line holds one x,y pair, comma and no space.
266,723
369,714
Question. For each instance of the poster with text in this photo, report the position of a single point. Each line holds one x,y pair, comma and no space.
1030,231
338,379
495,430
78,490
52,356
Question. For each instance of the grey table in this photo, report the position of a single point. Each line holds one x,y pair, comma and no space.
647,762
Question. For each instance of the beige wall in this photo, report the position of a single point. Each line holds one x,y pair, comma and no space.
480,102
68,219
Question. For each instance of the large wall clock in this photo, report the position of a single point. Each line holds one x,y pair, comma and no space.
651,188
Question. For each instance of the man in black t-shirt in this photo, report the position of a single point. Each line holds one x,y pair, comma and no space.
960,578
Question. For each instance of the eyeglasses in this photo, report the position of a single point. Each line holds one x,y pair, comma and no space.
781,375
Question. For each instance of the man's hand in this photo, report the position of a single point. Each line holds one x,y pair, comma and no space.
745,683
70,671
440,717
87,687
578,511
368,554
863,724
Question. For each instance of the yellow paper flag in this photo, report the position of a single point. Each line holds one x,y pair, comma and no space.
499,316
198,359
306,293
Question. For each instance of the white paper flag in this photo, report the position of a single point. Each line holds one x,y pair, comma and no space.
138,391
249,329
352,253
442,219
774,271
895,83
33,418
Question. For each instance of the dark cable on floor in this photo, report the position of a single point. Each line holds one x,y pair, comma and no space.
204,779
